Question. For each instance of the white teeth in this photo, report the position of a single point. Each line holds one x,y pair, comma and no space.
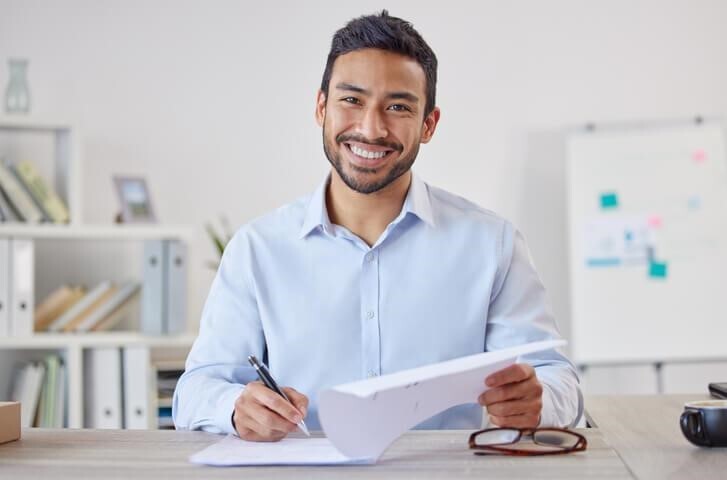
365,153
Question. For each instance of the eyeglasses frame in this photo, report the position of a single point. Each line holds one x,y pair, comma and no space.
580,446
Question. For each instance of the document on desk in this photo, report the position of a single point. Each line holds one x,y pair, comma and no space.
290,451
361,419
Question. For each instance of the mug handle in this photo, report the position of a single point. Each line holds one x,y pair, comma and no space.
693,428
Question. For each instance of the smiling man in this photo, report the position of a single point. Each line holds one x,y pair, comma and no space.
375,272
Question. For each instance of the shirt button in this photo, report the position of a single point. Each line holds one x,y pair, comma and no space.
369,257
371,374
370,314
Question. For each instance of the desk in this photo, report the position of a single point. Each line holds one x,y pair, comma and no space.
645,432
153,455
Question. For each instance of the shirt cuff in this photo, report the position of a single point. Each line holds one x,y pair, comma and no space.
225,408
548,415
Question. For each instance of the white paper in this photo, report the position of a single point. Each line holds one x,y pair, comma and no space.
362,418
233,451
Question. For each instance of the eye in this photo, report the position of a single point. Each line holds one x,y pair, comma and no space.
351,100
398,107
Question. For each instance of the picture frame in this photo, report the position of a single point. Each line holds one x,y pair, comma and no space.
135,200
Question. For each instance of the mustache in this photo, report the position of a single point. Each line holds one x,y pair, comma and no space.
351,137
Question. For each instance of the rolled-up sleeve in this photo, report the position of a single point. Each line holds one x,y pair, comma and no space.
217,370
519,313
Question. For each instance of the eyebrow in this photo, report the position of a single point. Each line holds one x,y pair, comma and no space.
392,95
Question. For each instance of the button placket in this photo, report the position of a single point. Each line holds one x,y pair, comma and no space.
370,332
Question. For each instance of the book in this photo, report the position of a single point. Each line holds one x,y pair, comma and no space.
15,193
120,295
7,209
49,394
80,306
123,312
26,390
45,197
55,304
71,325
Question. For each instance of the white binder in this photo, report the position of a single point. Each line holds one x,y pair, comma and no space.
137,387
22,270
4,287
153,305
176,279
102,379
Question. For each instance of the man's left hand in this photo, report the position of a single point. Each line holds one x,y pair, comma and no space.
515,397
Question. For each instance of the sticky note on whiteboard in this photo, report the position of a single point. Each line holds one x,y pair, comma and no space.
658,269
699,156
609,200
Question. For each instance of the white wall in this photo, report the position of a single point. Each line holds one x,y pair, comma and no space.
213,101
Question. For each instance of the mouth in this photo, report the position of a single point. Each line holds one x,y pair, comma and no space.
368,156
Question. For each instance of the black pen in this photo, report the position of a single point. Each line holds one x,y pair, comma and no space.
269,382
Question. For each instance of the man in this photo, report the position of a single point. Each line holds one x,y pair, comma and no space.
374,273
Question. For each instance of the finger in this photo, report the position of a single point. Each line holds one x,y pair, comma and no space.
277,404
266,422
299,401
511,374
516,421
516,407
253,436
516,391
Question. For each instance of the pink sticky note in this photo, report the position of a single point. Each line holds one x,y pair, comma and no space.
699,156
655,221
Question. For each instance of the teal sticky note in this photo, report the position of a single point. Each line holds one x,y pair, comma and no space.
658,269
609,200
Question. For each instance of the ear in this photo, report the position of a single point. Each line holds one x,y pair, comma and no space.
320,107
430,124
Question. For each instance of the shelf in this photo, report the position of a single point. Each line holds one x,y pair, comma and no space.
43,341
94,232
31,123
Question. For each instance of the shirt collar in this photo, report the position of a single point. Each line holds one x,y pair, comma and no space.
417,202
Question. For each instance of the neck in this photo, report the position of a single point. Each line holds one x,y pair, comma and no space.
365,215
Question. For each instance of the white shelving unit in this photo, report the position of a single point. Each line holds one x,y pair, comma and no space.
71,347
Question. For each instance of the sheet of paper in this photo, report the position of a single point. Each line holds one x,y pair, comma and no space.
362,418
232,451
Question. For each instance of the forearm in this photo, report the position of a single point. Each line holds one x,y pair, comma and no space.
205,398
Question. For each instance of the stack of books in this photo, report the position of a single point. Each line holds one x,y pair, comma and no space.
40,387
25,196
167,375
74,309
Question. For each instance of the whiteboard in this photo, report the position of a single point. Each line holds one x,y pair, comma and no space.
647,211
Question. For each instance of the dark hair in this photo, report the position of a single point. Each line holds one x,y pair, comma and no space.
385,33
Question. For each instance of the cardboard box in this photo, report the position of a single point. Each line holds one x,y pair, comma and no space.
9,421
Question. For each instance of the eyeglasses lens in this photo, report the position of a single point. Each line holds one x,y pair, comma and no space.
552,438
501,436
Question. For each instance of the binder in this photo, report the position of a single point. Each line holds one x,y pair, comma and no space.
22,270
137,387
176,282
153,305
4,287
102,386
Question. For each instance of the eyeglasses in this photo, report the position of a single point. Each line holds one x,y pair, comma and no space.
516,441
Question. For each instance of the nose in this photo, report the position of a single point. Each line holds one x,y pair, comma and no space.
373,125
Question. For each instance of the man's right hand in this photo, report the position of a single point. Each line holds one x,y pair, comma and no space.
261,415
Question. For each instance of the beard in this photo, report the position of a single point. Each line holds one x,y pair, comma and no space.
402,165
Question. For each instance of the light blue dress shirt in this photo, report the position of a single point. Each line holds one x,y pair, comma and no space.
446,279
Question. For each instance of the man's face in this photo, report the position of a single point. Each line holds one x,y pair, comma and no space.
373,117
